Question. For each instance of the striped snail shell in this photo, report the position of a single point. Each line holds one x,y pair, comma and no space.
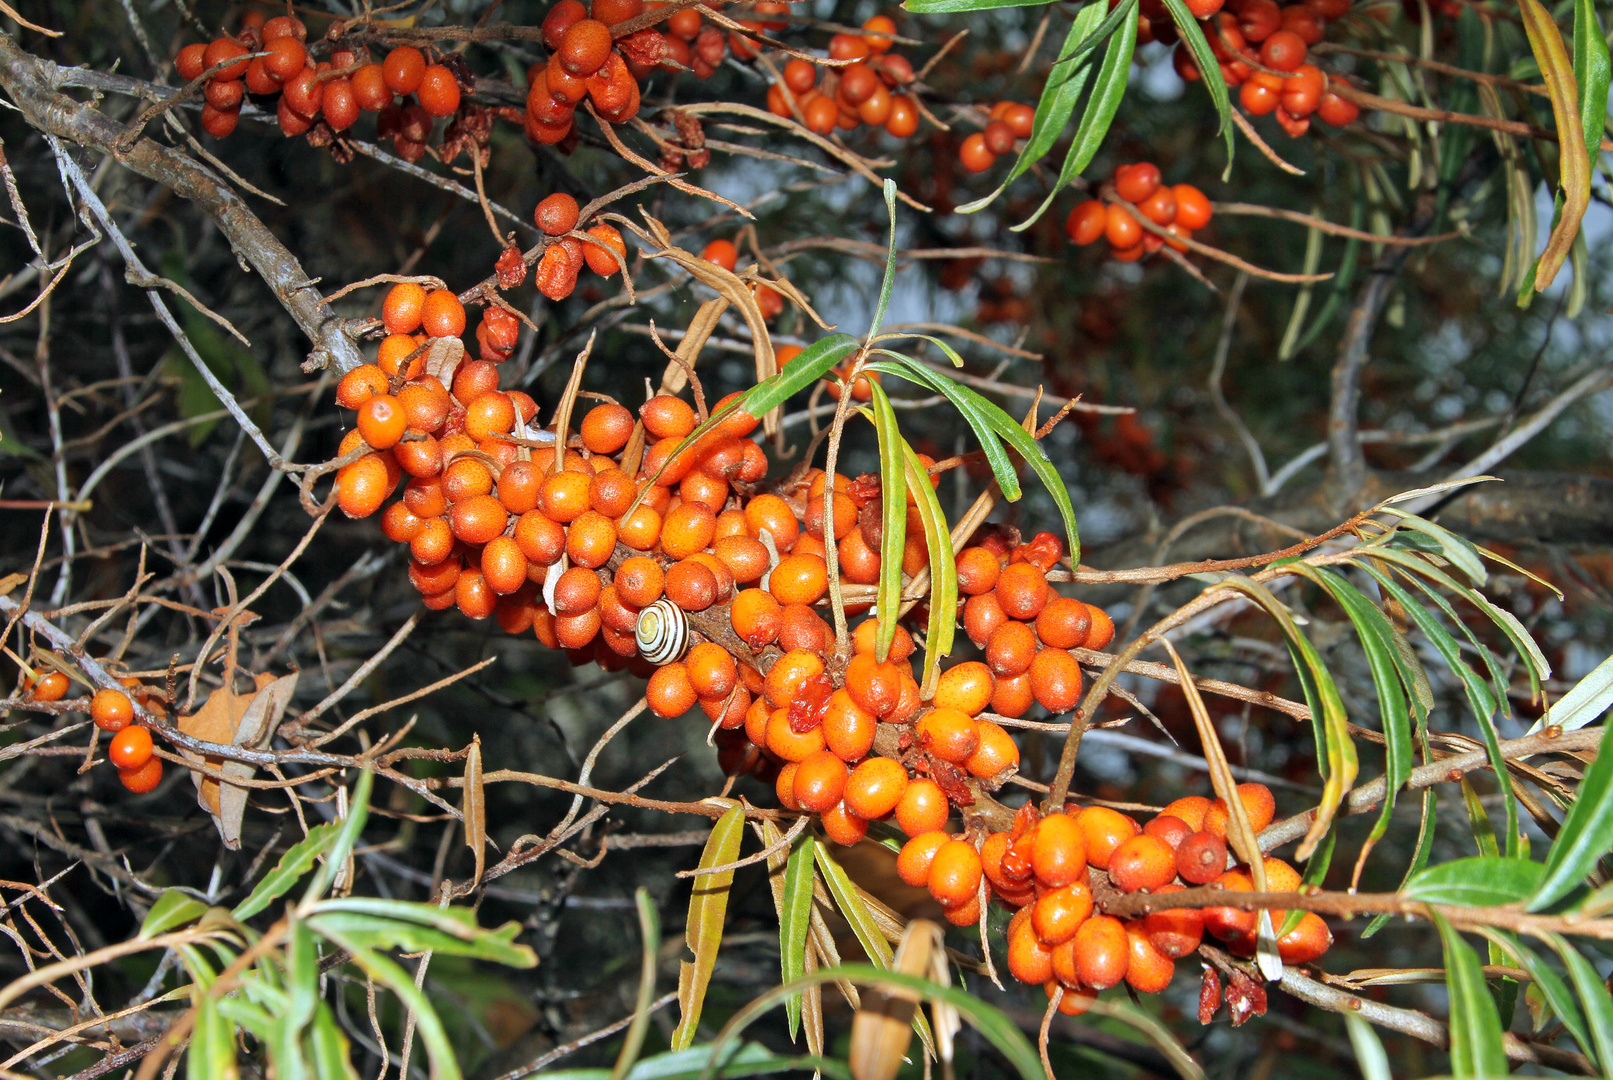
662,633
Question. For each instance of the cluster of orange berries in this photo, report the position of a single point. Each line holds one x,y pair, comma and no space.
1261,48
131,750
337,89
601,248
1008,122
586,61
1048,868
1179,210
862,92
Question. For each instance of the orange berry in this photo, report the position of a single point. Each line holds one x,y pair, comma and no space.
556,215
585,47
1011,648
1176,931
1143,862
955,873
792,745
691,585
688,529
992,850
403,69
670,693
438,92
875,686
789,674
978,570
381,421
773,514
607,251
966,687
442,315
542,540
964,914
1280,877
1305,942
503,565
745,558
606,428
488,415
712,670
913,862
842,826
110,709
820,780
1104,830
995,754
1055,679
1172,830
1257,804
784,786
1102,631
1058,851
50,687
576,591
1030,960
756,617
1147,970
1231,924
848,727
1022,590
875,787
478,519
1013,696
1102,952
1201,858
1063,623
1189,808
803,629
565,496
130,748
798,579
1059,913
667,417
981,615
143,779
363,486
948,734
359,385
923,807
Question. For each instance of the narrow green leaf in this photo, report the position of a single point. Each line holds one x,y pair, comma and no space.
358,810
1479,881
893,506
853,907
1552,987
1336,754
1419,858
289,870
1107,93
1479,819
329,1050
1459,550
373,932
1586,835
1590,698
1188,27
943,622
212,1043
1059,94
1369,1051
1592,72
889,280
949,7
649,922
1593,995
794,920
302,979
172,910
1383,660
444,1063
988,420
1475,1032
708,907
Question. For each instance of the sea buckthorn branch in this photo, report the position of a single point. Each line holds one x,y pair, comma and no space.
1215,253
1445,116
33,89
1332,228
1411,1022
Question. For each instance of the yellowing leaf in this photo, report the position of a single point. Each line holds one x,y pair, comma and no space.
707,909
1558,69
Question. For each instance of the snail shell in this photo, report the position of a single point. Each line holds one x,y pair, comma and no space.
662,633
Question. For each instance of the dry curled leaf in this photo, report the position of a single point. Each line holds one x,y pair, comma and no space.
245,720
